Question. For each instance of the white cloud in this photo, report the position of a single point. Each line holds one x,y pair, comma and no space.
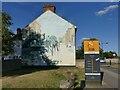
106,10
83,39
114,0
111,0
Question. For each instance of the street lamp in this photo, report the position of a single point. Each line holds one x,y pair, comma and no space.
114,54
102,46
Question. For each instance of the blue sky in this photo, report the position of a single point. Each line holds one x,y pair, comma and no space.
93,19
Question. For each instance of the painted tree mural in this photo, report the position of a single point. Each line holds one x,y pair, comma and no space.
34,49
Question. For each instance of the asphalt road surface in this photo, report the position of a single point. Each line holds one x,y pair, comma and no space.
111,76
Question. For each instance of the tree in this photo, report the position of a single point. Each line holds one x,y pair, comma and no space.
18,36
0,34
101,52
109,54
0,24
7,42
80,52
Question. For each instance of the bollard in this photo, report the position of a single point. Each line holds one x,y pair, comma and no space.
110,63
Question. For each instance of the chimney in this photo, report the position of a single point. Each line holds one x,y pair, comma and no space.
49,7
19,34
18,31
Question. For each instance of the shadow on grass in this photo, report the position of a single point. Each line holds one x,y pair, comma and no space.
82,86
28,70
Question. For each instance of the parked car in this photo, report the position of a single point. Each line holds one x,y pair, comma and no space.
102,59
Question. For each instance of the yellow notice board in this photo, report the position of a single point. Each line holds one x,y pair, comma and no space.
91,47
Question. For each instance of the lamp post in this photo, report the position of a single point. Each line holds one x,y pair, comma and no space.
102,47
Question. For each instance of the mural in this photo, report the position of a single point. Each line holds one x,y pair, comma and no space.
46,43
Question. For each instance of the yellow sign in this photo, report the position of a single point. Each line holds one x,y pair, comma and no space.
91,46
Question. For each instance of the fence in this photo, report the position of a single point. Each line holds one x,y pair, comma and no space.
113,60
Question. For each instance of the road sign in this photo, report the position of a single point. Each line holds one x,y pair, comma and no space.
92,67
91,47
92,63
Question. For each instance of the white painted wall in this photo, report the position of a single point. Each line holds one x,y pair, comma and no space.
52,24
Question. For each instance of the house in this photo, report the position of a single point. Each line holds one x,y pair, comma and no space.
49,40
17,47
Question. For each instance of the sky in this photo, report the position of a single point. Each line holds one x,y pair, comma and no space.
93,19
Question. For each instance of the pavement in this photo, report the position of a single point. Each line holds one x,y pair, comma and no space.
97,85
111,76
110,79
114,70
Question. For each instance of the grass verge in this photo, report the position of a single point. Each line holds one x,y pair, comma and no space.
39,78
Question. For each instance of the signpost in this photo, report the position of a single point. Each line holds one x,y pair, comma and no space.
92,63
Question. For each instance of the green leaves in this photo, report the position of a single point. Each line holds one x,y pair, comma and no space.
7,35
6,20
80,52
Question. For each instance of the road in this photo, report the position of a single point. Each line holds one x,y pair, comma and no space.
111,76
